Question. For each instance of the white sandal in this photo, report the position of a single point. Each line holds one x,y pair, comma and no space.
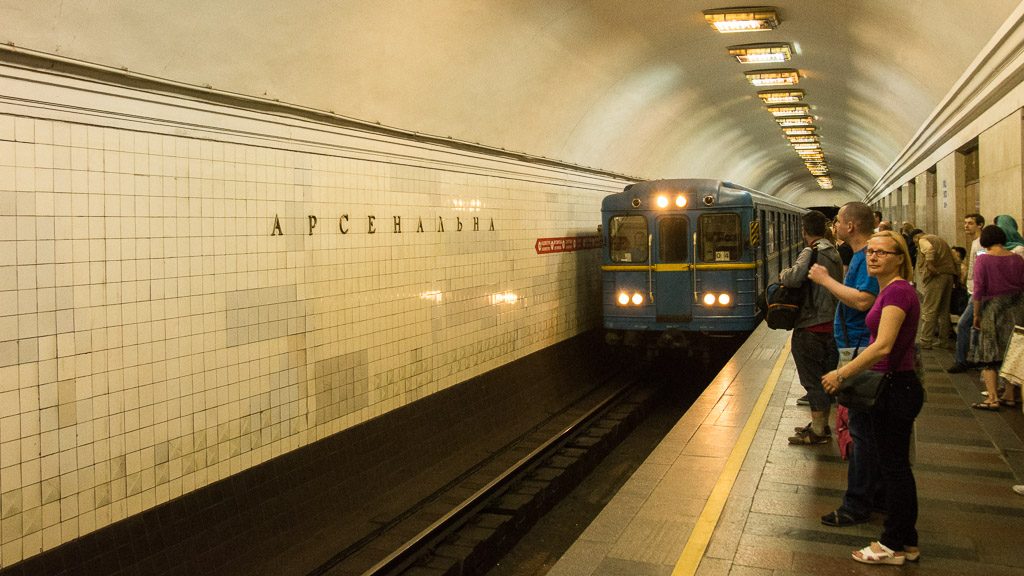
868,555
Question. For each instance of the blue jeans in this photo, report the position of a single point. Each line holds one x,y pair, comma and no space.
965,334
893,421
814,354
862,478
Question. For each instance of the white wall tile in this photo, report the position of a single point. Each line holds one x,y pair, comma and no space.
160,339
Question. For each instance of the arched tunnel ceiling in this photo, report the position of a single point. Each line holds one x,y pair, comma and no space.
641,88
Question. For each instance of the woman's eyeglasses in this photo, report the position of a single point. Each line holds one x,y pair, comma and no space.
869,252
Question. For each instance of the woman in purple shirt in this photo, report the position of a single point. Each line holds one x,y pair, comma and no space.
998,306
892,322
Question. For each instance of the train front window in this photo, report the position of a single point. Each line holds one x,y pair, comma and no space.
720,237
627,237
672,239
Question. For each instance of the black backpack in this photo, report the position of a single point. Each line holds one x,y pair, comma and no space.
784,303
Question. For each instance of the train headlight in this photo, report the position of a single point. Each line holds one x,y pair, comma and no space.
638,298
724,299
662,201
680,201
623,298
709,299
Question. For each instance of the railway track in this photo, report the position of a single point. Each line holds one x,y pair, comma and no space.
471,522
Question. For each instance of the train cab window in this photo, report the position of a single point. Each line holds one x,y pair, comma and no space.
672,239
627,238
720,237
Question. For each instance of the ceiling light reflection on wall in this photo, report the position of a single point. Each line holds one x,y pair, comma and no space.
773,77
761,53
781,110
742,19
824,182
781,96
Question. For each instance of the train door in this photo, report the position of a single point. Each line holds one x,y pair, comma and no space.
674,280
761,256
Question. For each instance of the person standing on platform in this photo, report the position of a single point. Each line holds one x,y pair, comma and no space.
814,347
892,321
998,306
1014,242
965,335
856,294
934,276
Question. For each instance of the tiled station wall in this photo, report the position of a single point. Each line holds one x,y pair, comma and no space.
157,334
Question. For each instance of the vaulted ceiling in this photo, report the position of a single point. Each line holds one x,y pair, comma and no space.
644,88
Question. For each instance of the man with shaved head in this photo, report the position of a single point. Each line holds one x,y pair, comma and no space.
854,225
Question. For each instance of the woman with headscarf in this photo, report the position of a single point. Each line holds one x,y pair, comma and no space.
998,306
1014,241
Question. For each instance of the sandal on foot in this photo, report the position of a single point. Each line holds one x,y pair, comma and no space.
808,437
841,519
1007,403
913,553
990,406
882,555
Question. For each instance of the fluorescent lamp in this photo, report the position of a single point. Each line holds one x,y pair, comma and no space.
781,96
801,139
773,77
767,53
792,121
807,146
742,19
781,110
800,131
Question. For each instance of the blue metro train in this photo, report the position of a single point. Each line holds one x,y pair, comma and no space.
689,259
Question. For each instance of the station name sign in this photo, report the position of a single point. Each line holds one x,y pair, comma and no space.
371,225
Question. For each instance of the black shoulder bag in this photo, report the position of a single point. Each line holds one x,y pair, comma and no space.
784,303
860,391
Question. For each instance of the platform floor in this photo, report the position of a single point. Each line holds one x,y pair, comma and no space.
724,493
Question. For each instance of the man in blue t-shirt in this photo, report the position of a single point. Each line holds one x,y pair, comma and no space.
854,225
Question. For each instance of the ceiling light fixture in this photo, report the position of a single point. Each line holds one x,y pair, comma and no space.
801,139
791,121
773,77
824,182
781,96
780,110
761,53
800,131
742,19
807,146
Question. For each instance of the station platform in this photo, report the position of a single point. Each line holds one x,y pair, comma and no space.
724,492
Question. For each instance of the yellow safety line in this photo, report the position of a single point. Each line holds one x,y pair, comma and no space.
692,554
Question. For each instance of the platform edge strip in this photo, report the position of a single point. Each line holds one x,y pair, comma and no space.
700,536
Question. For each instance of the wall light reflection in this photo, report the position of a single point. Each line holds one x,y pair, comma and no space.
504,298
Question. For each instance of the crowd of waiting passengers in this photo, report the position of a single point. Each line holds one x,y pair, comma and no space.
878,297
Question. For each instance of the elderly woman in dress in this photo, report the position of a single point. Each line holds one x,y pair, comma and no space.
892,322
998,306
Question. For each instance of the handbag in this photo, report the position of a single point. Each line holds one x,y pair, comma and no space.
861,391
1012,368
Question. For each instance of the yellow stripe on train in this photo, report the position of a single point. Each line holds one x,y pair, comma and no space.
678,267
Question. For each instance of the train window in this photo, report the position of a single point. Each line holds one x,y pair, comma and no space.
720,237
672,239
627,237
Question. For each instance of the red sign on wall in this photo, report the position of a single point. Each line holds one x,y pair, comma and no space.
567,244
